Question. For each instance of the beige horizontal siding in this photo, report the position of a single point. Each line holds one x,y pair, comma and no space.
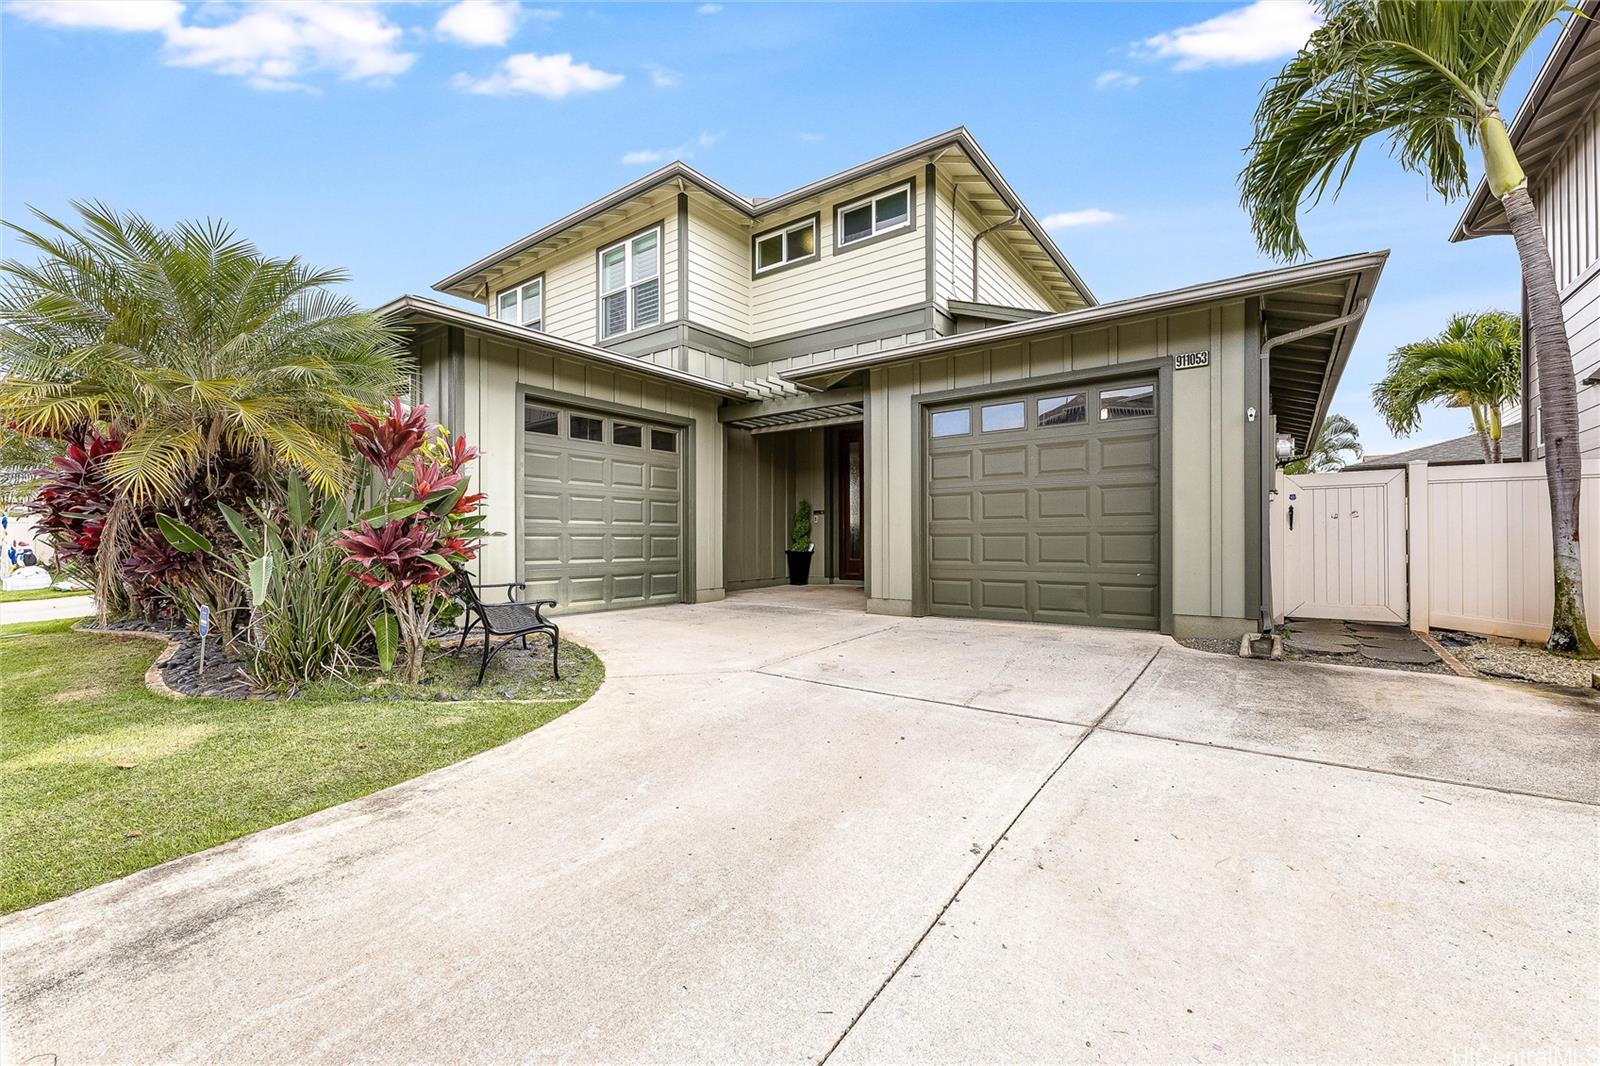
1002,279
883,276
572,280
719,273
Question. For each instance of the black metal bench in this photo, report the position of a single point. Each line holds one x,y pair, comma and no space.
512,620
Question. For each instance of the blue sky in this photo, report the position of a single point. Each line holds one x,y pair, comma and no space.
402,141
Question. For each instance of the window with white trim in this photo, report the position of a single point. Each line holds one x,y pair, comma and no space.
523,305
878,214
630,284
787,245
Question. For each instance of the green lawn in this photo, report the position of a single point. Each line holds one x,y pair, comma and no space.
20,595
99,777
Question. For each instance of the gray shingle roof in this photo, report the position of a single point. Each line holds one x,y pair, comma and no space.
1459,450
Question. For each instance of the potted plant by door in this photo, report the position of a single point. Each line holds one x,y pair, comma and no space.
800,546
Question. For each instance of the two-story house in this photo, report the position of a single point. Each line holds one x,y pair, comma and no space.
660,377
1556,133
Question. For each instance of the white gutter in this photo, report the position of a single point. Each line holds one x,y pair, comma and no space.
1016,216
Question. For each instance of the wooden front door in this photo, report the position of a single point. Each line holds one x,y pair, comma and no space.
849,503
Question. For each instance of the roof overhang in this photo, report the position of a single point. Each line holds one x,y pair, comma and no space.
1565,89
469,281
419,311
1304,375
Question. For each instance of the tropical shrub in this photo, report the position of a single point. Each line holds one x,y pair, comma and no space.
214,367
406,548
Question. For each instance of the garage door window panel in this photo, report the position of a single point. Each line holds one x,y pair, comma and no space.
952,423
998,417
1069,410
1137,401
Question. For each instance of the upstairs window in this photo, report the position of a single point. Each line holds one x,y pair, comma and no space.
795,243
630,284
523,306
880,213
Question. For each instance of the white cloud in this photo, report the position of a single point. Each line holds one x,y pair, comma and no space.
708,9
1116,79
645,156
552,76
1089,216
663,77
125,16
270,45
1265,29
480,22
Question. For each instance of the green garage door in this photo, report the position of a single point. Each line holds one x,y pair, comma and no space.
602,508
1045,507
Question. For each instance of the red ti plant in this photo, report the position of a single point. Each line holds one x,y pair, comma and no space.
386,440
72,503
408,546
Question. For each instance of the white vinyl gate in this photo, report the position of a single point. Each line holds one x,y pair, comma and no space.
1343,546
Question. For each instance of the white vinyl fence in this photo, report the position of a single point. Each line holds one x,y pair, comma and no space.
1481,551
1474,542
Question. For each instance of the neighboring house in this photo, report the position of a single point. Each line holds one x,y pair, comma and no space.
1458,451
1557,136
662,375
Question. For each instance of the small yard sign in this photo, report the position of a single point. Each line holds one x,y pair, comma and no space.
1191,360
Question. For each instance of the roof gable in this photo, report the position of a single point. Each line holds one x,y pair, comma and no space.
1039,252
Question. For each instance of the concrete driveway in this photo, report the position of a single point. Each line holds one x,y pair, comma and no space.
785,830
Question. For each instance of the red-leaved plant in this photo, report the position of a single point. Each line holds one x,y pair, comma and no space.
72,502
409,545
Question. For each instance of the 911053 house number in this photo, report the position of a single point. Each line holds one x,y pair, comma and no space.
1190,360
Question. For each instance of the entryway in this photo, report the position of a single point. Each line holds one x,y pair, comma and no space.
1343,545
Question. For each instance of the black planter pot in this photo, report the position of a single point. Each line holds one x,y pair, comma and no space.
799,567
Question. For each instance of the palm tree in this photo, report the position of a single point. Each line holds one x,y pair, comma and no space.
214,364
1428,74
1339,437
1476,363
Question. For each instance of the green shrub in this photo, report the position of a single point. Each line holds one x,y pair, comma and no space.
800,531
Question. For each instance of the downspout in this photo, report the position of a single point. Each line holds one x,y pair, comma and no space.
1269,447
1016,216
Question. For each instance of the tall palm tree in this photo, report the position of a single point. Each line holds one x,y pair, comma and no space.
1428,75
207,358
1475,362
1339,437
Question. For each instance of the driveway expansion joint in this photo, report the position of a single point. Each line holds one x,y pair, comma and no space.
938,916
1348,766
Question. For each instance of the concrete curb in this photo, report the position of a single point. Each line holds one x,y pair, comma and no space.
152,677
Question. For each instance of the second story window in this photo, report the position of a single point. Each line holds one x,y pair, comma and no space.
791,244
522,306
882,212
630,284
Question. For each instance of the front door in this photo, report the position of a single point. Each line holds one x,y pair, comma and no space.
849,503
